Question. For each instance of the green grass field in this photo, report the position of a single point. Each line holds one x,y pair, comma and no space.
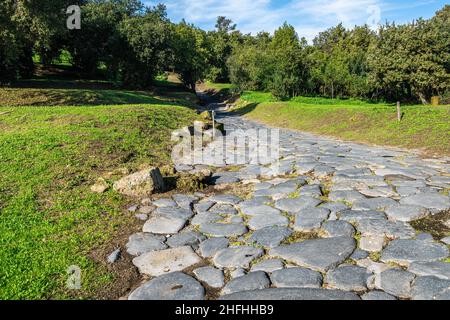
422,127
50,156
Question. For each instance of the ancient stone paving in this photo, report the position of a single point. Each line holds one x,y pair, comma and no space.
332,223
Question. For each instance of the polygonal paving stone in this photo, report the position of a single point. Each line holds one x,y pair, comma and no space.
344,195
223,229
405,252
297,204
260,210
437,269
353,216
253,281
383,191
224,178
372,243
184,201
210,247
205,218
377,295
172,286
203,206
296,278
157,263
430,288
270,237
320,254
268,266
396,282
334,207
338,228
406,213
269,220
211,276
223,209
141,243
237,257
226,199
374,204
359,255
310,219
190,238
254,202
292,294
164,225
390,229
434,201
349,278
313,190
174,212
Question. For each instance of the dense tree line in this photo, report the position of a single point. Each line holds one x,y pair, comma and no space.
399,62
133,44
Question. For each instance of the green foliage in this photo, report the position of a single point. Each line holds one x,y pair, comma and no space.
188,45
49,218
412,61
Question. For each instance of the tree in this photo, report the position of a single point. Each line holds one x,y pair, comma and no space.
221,43
146,47
290,69
189,53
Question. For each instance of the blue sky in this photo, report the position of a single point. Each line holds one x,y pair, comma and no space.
307,16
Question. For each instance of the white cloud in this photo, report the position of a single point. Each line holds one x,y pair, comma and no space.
309,17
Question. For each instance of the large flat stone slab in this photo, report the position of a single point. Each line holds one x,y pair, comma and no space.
141,243
310,219
270,237
405,252
406,213
223,229
430,288
428,200
349,278
210,247
338,228
374,204
437,269
390,229
269,220
157,263
253,281
259,210
320,254
211,276
237,257
297,204
291,294
396,282
353,216
189,238
296,278
345,196
164,225
172,286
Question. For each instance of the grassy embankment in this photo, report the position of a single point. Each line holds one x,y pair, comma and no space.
54,144
422,127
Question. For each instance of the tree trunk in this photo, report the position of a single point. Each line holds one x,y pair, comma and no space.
332,90
422,98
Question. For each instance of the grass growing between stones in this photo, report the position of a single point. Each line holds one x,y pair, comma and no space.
50,156
434,225
422,127
298,236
